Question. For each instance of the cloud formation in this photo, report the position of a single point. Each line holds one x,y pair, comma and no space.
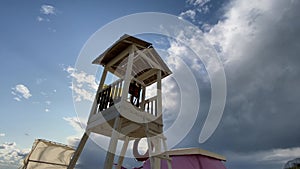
11,156
199,5
197,2
189,14
21,91
84,85
259,49
78,125
48,10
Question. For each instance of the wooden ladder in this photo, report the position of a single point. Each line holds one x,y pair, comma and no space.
157,156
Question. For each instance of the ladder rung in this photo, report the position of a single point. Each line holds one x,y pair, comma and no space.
164,157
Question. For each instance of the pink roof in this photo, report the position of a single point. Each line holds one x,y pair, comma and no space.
192,158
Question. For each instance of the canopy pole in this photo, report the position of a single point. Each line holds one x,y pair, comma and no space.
78,151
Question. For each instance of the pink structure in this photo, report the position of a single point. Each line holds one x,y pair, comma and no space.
192,158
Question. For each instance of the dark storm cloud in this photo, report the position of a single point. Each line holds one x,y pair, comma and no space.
263,93
261,48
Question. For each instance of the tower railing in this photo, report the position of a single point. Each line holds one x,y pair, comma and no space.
112,93
150,106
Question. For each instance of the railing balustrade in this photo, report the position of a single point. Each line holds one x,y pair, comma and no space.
111,94
151,106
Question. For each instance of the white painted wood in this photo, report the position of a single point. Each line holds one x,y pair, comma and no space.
147,74
128,77
143,97
153,164
123,152
113,144
157,145
159,93
195,151
100,87
134,44
130,128
166,153
131,112
151,62
78,151
119,57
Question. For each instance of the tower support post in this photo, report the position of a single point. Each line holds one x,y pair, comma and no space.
78,151
123,152
110,155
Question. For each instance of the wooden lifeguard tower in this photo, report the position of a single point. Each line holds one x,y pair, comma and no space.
121,110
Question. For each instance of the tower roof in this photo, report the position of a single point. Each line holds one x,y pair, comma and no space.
146,59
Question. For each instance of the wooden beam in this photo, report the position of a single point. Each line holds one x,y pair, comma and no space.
78,151
110,155
159,94
123,152
143,97
130,128
134,44
157,145
119,56
100,87
128,77
149,60
166,152
147,74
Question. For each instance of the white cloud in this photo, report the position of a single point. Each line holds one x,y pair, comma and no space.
10,155
2,134
188,14
206,27
84,85
200,5
203,9
197,2
21,91
48,10
78,124
40,19
259,49
17,99
47,110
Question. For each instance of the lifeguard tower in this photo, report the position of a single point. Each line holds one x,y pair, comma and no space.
121,110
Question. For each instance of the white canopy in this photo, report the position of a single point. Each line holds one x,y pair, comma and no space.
47,154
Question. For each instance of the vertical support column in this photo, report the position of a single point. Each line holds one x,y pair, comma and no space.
103,77
167,154
123,152
157,160
110,155
100,87
143,97
159,95
78,151
157,145
150,147
127,77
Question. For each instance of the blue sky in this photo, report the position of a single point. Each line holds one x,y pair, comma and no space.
256,41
